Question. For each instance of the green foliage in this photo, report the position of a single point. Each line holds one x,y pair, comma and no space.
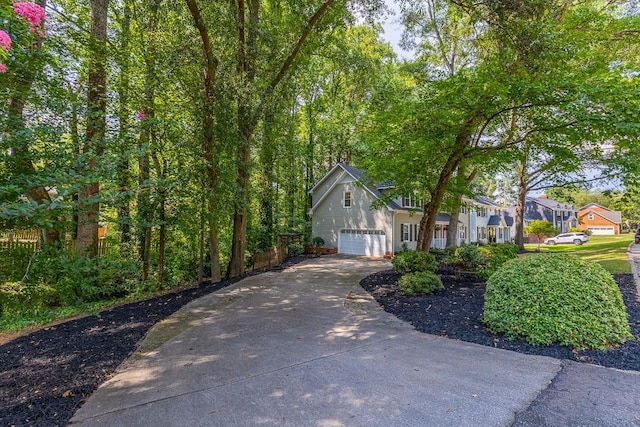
421,282
317,241
414,261
294,249
468,255
546,298
495,255
540,227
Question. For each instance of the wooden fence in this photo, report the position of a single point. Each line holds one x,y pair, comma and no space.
268,259
7,244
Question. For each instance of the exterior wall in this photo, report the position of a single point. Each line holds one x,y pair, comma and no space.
330,216
597,221
404,218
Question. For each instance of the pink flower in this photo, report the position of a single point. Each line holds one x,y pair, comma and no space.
141,115
31,12
5,41
3,68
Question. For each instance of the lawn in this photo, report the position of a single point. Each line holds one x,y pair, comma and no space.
608,251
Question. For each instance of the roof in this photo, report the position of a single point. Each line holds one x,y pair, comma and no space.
486,201
494,220
551,204
589,205
358,175
443,217
612,216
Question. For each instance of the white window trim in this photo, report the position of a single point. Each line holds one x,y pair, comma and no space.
344,199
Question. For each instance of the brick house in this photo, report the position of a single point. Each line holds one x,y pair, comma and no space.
599,220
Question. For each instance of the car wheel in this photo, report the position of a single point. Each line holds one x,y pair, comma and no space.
551,242
577,242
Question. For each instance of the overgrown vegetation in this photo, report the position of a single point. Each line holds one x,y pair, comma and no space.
545,298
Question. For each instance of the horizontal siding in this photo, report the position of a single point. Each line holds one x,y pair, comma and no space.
329,217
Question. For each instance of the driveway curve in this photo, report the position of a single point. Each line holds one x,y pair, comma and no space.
307,346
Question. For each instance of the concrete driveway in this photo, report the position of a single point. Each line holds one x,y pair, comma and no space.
308,347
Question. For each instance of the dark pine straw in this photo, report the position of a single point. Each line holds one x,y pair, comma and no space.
456,313
45,376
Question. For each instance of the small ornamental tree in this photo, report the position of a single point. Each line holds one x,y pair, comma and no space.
28,12
541,228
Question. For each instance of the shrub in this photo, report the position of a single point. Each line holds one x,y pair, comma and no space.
546,298
495,255
317,241
421,282
295,249
414,261
469,255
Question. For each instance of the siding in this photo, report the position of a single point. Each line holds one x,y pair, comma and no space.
329,217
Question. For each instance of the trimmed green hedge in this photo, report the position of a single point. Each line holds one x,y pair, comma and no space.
414,261
546,298
422,282
495,255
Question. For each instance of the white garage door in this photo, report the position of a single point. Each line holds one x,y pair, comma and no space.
601,230
362,242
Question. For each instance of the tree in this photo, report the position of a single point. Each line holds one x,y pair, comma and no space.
541,228
531,80
88,198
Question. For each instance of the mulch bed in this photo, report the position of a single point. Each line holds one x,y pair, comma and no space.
456,312
46,375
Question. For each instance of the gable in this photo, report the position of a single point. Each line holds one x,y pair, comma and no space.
614,217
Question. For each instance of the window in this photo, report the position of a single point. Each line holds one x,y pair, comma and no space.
463,209
462,232
346,201
481,211
482,233
590,216
409,202
409,232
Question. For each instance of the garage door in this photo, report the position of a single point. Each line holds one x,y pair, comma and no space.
601,230
362,242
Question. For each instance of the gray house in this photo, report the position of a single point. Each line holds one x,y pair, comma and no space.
563,216
352,215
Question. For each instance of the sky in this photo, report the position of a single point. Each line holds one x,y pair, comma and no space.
393,30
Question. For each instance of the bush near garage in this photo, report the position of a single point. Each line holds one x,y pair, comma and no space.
547,298
414,261
421,282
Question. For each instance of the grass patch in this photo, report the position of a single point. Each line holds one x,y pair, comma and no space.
608,251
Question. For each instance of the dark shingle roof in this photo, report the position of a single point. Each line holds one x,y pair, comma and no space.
494,220
359,175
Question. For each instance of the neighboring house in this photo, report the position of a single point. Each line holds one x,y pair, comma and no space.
599,220
351,215
563,216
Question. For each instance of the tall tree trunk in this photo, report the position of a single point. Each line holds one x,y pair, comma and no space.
147,144
89,207
520,204
124,208
20,159
428,221
247,121
208,140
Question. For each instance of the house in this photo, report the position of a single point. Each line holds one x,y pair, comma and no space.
563,216
352,215
599,220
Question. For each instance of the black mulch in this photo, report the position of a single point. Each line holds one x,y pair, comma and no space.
46,375
456,312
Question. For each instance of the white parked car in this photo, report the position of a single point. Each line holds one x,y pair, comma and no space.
575,238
